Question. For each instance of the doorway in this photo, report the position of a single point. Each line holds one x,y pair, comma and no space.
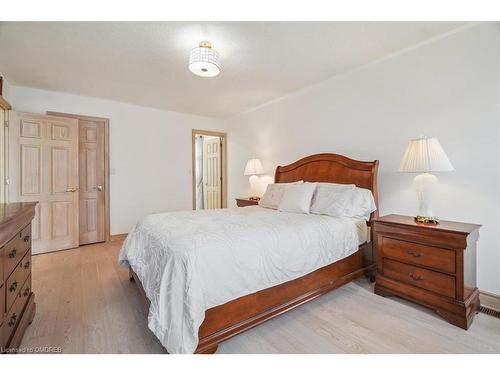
93,193
61,161
209,167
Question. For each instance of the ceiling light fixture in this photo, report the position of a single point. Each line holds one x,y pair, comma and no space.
204,61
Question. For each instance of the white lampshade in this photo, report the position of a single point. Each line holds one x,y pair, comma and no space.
425,155
253,167
204,61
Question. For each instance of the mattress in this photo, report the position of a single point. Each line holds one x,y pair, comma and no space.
191,261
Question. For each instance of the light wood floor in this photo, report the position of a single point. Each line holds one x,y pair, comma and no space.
86,304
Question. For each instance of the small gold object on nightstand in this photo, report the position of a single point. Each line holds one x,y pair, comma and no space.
427,220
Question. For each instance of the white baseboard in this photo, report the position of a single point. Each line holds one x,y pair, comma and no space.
490,300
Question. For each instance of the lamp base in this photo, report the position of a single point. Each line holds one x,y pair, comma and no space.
427,219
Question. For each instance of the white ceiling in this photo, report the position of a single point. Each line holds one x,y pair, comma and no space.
145,63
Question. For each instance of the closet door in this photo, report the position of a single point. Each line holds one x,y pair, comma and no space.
92,180
43,167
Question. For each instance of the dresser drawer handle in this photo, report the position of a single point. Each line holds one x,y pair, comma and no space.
13,287
27,265
415,254
26,292
26,238
12,320
13,253
416,277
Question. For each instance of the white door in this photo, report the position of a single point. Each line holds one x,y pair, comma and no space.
43,167
212,176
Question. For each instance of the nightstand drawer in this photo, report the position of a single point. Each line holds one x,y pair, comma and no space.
428,256
426,279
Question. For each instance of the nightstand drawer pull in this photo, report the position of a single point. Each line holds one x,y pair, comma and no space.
415,277
414,253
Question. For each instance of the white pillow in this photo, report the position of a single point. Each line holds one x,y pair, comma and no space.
331,199
343,201
363,204
274,193
297,198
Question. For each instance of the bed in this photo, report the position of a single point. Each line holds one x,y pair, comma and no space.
210,275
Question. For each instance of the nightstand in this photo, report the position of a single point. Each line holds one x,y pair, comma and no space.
433,265
243,202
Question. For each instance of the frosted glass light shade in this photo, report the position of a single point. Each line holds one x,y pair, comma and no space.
204,61
425,155
253,167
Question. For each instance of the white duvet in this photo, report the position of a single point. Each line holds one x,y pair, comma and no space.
190,261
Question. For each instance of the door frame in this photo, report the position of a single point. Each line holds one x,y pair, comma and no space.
223,137
107,224
4,137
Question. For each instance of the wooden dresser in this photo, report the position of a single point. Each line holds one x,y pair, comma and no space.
17,301
434,265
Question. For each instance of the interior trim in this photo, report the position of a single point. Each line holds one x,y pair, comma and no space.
223,137
489,300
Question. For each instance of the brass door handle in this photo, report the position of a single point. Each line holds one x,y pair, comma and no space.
99,187
71,190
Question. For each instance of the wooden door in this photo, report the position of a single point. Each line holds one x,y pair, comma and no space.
92,180
212,191
43,167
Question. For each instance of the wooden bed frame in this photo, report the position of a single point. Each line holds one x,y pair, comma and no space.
236,316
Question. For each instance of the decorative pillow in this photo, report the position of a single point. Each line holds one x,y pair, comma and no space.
274,193
297,198
332,199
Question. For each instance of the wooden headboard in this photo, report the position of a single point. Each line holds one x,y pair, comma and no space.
332,168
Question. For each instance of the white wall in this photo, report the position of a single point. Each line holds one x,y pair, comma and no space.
150,150
448,88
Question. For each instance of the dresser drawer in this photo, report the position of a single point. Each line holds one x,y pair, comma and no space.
15,249
2,302
426,279
14,315
16,279
427,256
2,340
1,266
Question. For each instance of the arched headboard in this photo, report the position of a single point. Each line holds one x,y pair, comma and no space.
332,168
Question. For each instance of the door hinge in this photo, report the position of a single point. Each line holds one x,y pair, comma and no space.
6,123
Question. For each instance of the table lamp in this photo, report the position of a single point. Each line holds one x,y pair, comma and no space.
422,156
252,169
